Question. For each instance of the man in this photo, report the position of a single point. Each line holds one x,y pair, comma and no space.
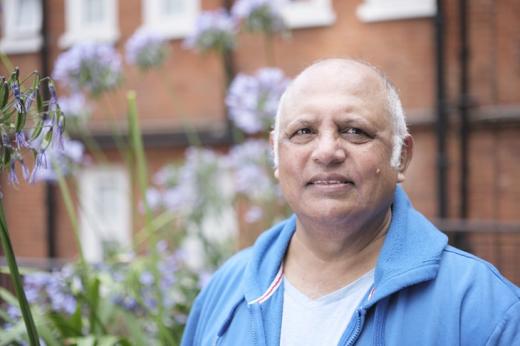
356,264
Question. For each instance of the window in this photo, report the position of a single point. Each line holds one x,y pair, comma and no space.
380,10
22,23
104,210
308,13
90,20
171,18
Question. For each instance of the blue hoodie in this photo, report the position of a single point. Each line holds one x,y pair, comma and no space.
425,292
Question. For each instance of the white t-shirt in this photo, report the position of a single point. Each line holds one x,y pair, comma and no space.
320,321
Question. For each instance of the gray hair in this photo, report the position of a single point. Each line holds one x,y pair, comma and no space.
393,105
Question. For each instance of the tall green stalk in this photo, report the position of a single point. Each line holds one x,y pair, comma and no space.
141,171
69,206
32,332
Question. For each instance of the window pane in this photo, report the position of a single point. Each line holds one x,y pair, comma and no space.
92,12
172,7
25,14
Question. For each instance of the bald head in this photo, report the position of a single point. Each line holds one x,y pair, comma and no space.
355,77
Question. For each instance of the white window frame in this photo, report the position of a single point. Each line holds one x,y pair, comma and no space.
105,32
170,27
384,10
312,13
18,40
95,228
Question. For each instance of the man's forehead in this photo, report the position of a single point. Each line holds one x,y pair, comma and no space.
346,76
338,72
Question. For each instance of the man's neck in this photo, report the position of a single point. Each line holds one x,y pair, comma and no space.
320,261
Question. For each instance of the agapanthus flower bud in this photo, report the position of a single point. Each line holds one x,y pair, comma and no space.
260,15
92,67
13,179
253,100
146,49
214,30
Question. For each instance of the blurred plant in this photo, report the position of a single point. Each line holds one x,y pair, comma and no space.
260,16
127,302
251,168
214,31
90,67
146,49
76,110
253,100
21,107
62,162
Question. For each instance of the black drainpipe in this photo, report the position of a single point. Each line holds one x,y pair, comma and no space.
50,191
441,123
463,106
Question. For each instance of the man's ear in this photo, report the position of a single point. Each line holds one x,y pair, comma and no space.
271,144
406,157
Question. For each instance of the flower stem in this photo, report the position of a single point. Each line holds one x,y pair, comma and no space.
17,280
269,50
138,153
69,206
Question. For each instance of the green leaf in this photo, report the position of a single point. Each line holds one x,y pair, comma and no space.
13,334
4,94
39,101
47,139
108,340
134,328
65,326
37,130
6,156
20,121
93,301
86,341
8,297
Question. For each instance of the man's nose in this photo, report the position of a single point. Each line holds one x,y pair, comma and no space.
328,150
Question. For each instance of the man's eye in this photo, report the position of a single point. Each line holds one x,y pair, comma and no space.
304,131
356,135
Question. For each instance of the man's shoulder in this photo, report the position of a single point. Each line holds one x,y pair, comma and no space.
477,274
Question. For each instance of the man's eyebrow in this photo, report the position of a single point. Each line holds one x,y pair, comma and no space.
300,122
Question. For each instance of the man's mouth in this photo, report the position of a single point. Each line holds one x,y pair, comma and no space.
329,179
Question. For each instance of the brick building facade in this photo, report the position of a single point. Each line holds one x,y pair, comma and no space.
397,36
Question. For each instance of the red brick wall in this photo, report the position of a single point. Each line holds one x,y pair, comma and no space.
404,49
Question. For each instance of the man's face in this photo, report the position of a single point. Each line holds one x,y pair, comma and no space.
335,146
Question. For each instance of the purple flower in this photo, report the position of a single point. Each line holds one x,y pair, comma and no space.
250,164
253,214
187,188
66,158
29,99
260,15
253,100
92,67
146,278
146,49
21,141
74,106
214,30
18,104
40,164
13,179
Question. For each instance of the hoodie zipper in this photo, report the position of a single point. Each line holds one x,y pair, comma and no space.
360,314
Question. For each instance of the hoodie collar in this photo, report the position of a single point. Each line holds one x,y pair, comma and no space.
410,254
264,271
